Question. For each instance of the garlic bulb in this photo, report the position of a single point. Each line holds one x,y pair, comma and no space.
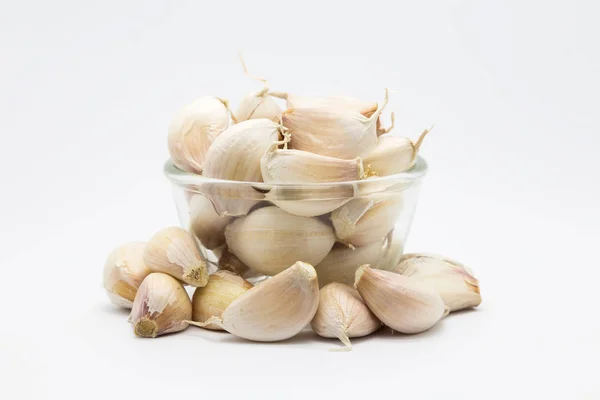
394,154
269,239
276,309
343,314
297,166
331,131
194,128
174,252
161,306
402,303
211,300
124,272
341,263
366,220
456,285
206,224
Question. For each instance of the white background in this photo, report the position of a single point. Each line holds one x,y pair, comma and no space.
86,94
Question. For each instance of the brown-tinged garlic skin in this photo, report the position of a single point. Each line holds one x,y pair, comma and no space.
343,314
193,129
341,263
393,154
206,224
173,251
402,303
269,239
230,262
124,272
161,306
211,300
276,309
452,280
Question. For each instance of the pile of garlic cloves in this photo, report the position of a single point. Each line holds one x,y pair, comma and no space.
297,239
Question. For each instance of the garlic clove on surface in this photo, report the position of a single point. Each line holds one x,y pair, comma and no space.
276,309
124,272
341,263
453,281
368,219
206,224
161,306
400,302
343,314
211,300
174,252
332,131
194,128
394,154
269,239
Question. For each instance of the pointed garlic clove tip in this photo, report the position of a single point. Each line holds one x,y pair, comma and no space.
173,251
343,314
402,303
276,309
453,281
269,239
161,306
211,300
193,129
392,155
124,272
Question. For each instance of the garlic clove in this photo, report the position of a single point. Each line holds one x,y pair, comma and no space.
124,272
276,309
229,262
394,154
269,239
161,306
368,219
206,224
341,263
193,129
453,281
332,131
343,314
211,300
174,252
351,104
402,303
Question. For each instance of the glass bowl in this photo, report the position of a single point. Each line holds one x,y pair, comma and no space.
257,229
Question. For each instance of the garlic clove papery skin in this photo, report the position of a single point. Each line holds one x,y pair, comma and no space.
400,302
124,271
258,105
269,239
341,263
343,314
211,300
393,154
453,281
193,129
161,306
173,251
205,223
276,309
368,219
332,131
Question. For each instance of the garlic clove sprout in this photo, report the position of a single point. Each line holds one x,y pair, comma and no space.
206,224
453,281
341,263
332,131
343,314
269,239
174,252
161,306
211,300
394,154
368,219
124,272
402,303
194,128
276,309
